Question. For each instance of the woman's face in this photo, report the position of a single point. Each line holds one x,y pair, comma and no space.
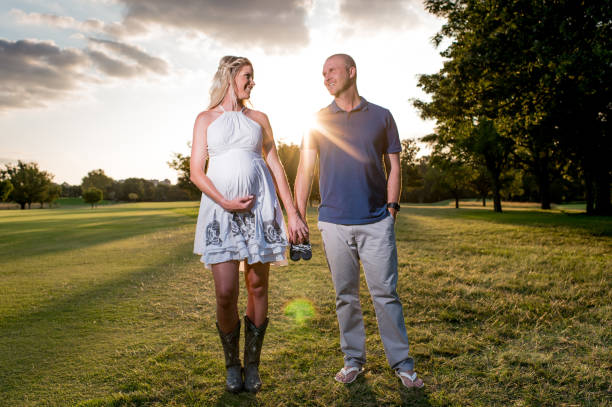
244,82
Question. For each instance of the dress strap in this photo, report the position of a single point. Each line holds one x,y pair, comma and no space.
221,106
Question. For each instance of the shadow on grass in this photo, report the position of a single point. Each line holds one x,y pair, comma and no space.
34,342
42,236
414,397
360,393
593,225
242,399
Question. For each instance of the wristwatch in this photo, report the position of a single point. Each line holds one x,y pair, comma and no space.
394,205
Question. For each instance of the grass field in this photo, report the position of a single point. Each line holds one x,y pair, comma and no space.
108,307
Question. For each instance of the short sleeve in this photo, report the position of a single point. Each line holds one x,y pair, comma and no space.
393,141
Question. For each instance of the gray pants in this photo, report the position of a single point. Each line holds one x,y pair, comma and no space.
374,245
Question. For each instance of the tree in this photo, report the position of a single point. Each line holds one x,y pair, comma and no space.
70,191
5,189
98,179
50,194
541,72
412,179
456,176
132,189
29,182
481,182
92,195
181,163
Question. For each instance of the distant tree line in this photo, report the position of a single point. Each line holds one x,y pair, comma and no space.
438,177
24,183
523,99
131,189
430,178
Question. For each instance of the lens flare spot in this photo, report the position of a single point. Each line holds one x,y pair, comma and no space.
300,310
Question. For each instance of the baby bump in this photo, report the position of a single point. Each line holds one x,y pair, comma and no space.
235,173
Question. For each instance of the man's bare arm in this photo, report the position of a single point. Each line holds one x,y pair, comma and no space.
394,179
303,179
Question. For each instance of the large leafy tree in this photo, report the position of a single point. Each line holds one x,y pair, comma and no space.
540,72
28,181
99,180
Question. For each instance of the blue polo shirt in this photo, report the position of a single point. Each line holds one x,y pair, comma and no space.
351,145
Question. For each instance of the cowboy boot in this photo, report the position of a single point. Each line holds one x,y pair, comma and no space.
254,337
233,380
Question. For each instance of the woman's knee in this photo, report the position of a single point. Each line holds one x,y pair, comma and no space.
258,290
227,297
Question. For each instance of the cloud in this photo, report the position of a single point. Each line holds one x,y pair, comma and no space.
143,61
66,22
387,14
37,72
272,24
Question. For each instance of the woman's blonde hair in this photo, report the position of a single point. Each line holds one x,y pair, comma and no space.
229,66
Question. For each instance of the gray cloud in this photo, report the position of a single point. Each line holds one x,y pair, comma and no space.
390,14
53,20
268,23
34,72
141,58
37,72
66,22
111,66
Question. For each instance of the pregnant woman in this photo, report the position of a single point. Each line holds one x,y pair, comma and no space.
240,223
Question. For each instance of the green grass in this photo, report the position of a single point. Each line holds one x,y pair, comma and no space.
109,307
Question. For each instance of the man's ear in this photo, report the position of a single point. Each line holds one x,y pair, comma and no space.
352,72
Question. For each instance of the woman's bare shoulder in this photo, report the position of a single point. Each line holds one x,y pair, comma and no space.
259,117
206,117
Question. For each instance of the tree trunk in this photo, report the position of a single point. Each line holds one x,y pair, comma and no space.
589,194
22,205
456,202
496,194
543,179
484,200
602,194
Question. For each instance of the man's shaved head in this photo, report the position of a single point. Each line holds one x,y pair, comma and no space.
348,60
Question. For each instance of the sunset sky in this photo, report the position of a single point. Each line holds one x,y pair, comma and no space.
116,84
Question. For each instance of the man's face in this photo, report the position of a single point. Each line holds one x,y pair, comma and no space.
336,76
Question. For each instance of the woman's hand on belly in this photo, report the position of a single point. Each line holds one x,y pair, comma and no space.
240,204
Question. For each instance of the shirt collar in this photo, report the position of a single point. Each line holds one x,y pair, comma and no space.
363,105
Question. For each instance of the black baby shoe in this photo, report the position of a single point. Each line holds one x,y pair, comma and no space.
300,251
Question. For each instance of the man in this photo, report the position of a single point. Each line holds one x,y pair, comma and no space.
357,214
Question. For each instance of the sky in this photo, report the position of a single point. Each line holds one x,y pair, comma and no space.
117,84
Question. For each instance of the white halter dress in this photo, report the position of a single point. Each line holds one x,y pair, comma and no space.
236,168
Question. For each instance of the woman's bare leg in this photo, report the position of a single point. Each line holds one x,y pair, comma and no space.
256,278
227,287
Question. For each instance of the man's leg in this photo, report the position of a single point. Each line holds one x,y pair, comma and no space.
378,253
343,261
